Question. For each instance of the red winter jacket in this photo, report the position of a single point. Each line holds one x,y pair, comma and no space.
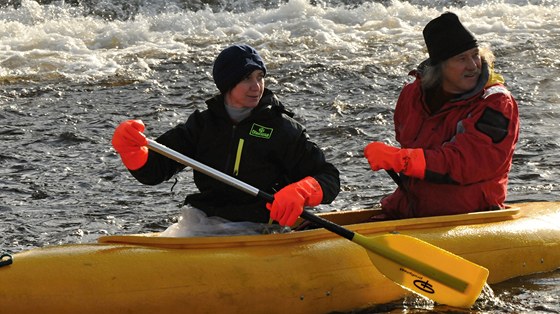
468,146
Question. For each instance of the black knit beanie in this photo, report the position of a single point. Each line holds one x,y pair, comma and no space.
233,64
446,37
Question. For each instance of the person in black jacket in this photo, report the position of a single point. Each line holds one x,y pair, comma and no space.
245,132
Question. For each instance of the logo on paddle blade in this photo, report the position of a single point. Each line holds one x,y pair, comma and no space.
424,286
419,283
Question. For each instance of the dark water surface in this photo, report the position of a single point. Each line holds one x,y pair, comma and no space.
70,72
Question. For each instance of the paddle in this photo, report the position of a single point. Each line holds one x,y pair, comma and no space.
412,263
396,178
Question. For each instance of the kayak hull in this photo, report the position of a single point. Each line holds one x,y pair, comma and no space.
311,271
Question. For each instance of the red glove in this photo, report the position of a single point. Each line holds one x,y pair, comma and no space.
410,161
131,144
289,201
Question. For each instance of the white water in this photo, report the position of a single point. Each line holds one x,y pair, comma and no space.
59,41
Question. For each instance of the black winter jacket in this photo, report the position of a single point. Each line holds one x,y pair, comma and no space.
267,150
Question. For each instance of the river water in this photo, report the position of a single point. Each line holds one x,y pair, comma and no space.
70,71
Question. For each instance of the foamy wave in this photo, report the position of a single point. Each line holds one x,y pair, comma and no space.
46,42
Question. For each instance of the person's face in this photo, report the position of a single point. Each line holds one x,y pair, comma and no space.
248,92
461,72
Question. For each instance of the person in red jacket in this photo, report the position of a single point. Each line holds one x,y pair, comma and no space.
457,126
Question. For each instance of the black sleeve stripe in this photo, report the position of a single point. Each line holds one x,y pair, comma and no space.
439,178
494,124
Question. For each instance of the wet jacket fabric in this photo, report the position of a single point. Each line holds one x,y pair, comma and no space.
267,150
468,145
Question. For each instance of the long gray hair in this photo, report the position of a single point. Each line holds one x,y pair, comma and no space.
432,75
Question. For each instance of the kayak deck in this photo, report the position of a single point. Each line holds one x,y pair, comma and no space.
353,220
481,237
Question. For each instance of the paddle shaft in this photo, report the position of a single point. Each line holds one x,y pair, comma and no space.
395,176
383,251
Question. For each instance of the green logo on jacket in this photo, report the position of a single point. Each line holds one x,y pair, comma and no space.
260,131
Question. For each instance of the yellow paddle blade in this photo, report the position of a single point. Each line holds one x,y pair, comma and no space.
426,269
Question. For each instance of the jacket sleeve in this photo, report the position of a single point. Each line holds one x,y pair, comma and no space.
483,146
182,138
305,158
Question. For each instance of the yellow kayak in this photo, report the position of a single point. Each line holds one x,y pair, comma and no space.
312,271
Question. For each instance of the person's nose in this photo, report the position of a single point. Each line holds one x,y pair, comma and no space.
255,84
473,63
